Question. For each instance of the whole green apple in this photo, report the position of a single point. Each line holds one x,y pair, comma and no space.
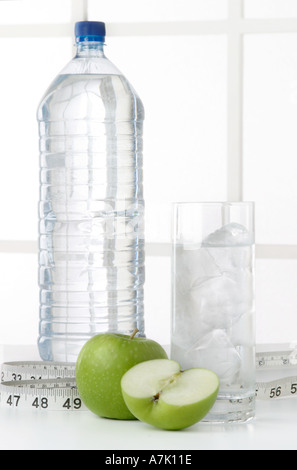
157,392
102,362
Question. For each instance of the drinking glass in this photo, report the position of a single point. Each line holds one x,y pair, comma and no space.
213,300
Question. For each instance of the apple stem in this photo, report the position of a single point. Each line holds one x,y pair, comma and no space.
134,333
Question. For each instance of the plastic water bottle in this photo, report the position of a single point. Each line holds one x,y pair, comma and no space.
91,232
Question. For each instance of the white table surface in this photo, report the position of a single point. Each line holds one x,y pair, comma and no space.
275,427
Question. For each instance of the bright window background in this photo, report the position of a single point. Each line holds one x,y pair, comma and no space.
270,138
185,95
34,11
218,79
156,10
270,8
32,65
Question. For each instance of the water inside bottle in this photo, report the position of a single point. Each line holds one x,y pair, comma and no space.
91,261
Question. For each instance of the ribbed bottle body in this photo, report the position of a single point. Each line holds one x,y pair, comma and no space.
91,225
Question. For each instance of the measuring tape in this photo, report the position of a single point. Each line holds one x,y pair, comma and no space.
281,361
48,386
40,386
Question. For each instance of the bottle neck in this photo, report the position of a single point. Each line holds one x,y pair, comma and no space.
90,49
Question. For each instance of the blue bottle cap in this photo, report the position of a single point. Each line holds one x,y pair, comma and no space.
90,31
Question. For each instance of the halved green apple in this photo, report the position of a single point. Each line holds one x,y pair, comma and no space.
157,392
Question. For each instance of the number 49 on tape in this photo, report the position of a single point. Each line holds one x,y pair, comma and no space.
44,398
